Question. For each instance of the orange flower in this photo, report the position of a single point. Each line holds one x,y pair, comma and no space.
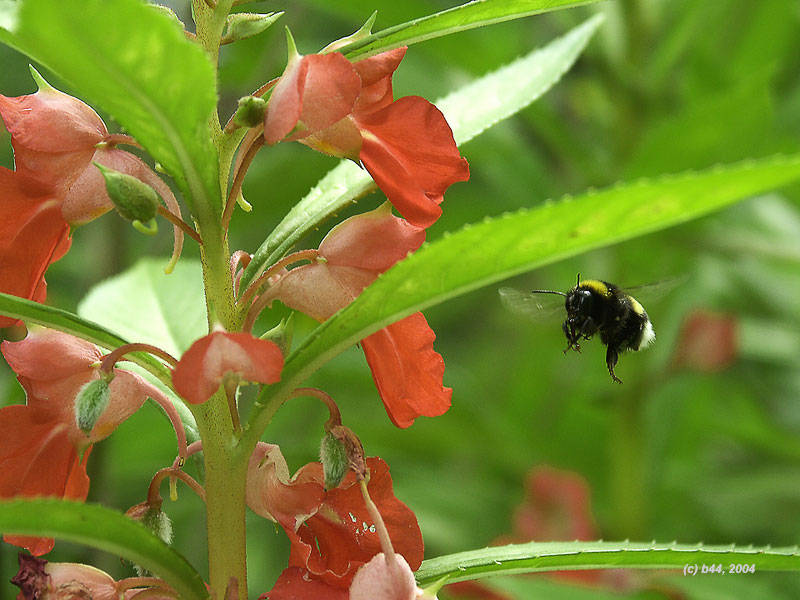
345,109
330,531
206,363
44,452
407,371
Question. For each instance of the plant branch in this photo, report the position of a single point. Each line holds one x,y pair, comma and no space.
176,220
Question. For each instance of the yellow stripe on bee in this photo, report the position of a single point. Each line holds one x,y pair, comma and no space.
595,285
637,308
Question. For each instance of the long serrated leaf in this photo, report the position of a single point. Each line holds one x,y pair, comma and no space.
478,13
107,530
552,556
469,110
62,320
136,64
499,248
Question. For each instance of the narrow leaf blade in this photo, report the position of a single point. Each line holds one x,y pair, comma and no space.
552,556
107,530
478,13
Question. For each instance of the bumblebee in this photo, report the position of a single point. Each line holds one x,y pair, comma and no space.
595,306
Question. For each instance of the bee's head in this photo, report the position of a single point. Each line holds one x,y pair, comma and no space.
578,301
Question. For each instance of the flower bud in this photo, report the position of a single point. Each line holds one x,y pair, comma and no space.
281,334
250,112
240,26
90,403
133,199
156,521
334,459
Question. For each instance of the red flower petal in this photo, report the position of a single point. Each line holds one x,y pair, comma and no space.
314,92
407,371
38,460
376,80
294,584
339,538
200,371
33,235
409,150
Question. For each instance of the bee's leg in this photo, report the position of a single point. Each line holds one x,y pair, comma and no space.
612,356
572,337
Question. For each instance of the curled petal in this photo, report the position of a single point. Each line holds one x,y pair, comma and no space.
33,235
407,370
376,80
409,150
314,92
272,494
201,369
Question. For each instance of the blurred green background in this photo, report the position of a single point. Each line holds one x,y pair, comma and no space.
676,453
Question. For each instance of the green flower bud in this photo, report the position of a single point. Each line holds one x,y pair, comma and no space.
240,26
335,462
133,199
281,334
250,112
90,403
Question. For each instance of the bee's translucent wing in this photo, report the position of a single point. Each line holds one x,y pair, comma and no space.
536,307
651,292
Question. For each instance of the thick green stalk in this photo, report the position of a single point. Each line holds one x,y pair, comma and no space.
225,467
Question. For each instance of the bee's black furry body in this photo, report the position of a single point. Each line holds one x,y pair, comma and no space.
595,306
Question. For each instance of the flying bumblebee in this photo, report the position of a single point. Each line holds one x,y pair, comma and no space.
594,306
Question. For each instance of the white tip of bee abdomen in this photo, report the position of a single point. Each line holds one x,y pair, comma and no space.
648,335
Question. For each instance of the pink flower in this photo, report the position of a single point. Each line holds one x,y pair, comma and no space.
206,363
330,531
407,371
346,109
44,452
381,579
55,185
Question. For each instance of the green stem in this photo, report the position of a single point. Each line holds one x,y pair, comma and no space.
225,465
627,467
225,478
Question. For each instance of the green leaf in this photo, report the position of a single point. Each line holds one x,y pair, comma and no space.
104,529
498,248
469,110
147,306
62,320
552,556
136,64
478,13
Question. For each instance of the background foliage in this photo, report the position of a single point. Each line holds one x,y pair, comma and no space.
665,86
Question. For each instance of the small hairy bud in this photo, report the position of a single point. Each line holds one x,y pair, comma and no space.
90,403
335,461
240,26
133,199
250,112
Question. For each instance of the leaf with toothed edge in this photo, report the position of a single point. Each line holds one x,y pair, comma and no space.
469,110
538,557
502,247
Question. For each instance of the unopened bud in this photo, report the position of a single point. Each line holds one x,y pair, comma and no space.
250,112
363,33
156,521
133,199
240,26
335,462
281,334
90,403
